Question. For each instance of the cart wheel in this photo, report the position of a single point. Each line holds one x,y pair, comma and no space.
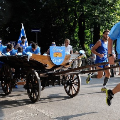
33,86
6,77
72,84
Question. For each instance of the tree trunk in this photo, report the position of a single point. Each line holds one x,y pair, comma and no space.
81,33
96,32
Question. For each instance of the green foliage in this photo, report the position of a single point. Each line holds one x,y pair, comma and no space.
87,49
58,19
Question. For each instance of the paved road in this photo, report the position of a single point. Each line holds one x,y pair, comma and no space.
89,104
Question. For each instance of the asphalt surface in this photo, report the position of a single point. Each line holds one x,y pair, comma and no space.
55,104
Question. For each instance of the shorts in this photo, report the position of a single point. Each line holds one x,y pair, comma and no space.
101,61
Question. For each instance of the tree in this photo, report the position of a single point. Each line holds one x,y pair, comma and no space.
58,19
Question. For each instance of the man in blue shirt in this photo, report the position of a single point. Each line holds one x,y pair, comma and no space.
33,48
23,43
113,35
100,49
7,50
20,51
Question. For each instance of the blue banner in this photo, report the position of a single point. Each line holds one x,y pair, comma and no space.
57,54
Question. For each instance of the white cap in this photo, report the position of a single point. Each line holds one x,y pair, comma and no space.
82,51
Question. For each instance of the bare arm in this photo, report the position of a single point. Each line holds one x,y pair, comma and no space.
95,47
48,52
71,52
110,43
16,47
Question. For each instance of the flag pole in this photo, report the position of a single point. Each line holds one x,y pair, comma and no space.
22,25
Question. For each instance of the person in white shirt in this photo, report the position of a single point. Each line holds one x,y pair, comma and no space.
68,47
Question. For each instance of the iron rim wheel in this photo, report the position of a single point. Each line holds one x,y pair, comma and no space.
72,84
6,77
33,84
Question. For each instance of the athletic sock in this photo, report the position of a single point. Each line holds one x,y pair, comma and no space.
110,91
106,79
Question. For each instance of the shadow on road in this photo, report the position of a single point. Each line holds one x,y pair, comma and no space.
53,98
73,116
11,101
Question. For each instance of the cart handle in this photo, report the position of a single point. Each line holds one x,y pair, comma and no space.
87,66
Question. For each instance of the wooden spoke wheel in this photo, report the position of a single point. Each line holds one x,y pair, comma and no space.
72,84
6,78
33,86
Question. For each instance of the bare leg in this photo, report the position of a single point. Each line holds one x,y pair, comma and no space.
100,73
107,72
116,89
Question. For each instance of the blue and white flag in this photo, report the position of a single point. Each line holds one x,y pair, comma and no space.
22,33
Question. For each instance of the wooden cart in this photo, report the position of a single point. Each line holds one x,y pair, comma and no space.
36,73
39,72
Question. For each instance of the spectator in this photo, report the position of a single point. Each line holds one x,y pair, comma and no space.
23,43
92,59
33,48
68,47
48,51
30,43
7,49
20,51
77,62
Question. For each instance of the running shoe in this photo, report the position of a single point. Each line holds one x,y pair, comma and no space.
109,96
103,89
88,79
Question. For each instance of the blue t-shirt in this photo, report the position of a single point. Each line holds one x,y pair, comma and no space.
23,53
23,46
4,51
103,49
115,34
1,47
12,52
29,49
